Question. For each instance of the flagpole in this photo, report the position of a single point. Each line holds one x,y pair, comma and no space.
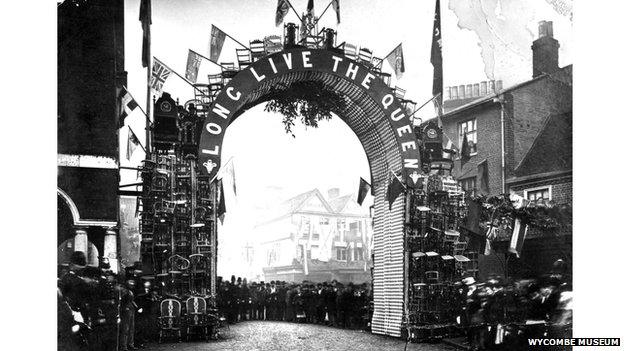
147,111
295,11
239,43
183,78
204,57
322,13
423,105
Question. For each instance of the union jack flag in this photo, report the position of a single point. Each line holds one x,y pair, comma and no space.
160,73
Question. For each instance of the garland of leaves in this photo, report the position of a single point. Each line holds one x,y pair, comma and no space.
544,215
310,101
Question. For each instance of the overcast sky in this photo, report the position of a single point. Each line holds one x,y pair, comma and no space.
482,39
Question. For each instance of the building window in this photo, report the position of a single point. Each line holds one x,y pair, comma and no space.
341,254
469,185
324,221
358,254
470,129
535,194
316,236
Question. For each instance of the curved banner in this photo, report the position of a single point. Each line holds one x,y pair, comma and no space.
233,97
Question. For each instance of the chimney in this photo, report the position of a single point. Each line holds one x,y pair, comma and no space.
462,92
333,193
475,90
454,92
484,90
468,91
545,50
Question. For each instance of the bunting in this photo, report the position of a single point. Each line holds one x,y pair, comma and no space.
221,207
133,142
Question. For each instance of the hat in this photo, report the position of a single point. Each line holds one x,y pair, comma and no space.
78,258
105,263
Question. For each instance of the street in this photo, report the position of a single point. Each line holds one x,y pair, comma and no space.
265,335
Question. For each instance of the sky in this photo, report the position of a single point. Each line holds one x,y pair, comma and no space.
481,39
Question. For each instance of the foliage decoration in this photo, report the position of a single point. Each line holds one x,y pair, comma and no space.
310,101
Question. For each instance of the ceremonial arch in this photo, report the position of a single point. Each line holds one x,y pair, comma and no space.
381,124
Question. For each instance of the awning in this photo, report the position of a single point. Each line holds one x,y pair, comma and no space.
462,258
417,254
448,257
431,254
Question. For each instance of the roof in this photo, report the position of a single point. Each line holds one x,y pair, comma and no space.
294,204
339,203
563,75
552,149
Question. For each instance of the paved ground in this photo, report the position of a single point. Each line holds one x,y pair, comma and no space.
261,336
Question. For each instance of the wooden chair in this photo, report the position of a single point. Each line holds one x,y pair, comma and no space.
257,49
196,320
365,56
273,44
350,51
244,58
169,321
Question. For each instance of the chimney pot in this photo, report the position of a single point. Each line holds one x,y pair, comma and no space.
448,93
462,92
484,88
499,85
545,29
468,91
475,90
453,92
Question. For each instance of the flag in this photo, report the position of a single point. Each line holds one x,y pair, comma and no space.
221,209
395,188
473,217
517,237
491,234
192,66
436,58
282,10
145,16
160,73
449,148
363,191
310,8
133,142
228,171
217,38
395,59
483,174
127,105
336,6
465,149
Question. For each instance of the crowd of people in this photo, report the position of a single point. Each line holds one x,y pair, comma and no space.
502,314
328,303
100,310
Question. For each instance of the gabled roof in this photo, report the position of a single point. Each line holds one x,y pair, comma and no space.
339,203
296,204
552,149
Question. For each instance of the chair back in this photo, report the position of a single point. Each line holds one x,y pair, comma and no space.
350,51
258,50
365,55
273,43
196,305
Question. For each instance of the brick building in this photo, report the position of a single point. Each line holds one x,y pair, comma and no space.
90,71
520,137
